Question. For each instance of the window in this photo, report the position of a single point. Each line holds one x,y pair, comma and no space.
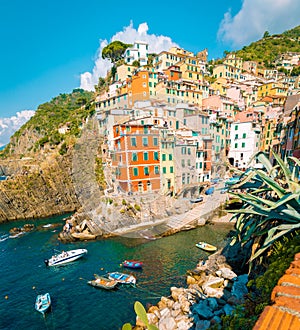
243,145
155,141
182,163
164,170
133,142
244,135
135,171
236,136
170,157
236,127
183,150
146,170
163,157
156,169
145,141
146,156
171,169
146,130
235,145
189,151
155,155
134,157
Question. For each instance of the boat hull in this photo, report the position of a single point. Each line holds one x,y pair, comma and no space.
122,278
133,264
103,283
206,247
65,257
43,302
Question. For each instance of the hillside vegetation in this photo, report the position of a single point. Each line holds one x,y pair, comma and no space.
267,49
68,110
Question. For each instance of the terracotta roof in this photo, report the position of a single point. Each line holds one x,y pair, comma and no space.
284,314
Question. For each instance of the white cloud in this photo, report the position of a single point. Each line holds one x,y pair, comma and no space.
8,126
256,17
128,35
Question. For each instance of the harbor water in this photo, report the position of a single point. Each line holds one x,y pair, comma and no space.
75,304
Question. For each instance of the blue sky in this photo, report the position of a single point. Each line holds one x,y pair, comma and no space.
50,47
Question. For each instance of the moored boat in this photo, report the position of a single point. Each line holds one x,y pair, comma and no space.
207,247
103,282
43,302
65,257
134,264
122,278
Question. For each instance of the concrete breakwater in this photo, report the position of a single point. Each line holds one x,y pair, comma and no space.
213,290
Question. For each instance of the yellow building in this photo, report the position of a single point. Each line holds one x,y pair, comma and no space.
233,60
220,85
191,69
179,91
271,88
226,71
124,72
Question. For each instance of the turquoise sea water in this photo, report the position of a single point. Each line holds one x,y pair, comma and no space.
75,304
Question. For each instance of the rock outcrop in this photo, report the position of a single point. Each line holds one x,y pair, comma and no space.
213,290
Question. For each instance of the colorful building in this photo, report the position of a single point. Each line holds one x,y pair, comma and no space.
136,156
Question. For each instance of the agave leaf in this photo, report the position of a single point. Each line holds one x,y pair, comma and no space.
244,211
152,327
261,156
283,166
284,200
141,312
127,326
272,184
284,229
293,214
295,160
260,199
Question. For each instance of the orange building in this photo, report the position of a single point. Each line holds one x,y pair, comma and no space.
135,157
138,87
173,72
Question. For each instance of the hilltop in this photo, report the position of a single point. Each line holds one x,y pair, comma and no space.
266,50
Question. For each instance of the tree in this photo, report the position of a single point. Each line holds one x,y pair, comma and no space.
136,63
266,34
115,51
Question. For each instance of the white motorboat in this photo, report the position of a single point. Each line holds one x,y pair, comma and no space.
122,278
65,257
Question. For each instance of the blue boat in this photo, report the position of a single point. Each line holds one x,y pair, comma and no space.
210,191
132,264
42,303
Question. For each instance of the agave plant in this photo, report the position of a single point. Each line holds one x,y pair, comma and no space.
271,204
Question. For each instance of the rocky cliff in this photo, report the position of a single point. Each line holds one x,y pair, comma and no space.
37,188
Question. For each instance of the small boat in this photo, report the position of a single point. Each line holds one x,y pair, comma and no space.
210,191
65,257
207,247
103,282
135,264
197,200
122,278
4,237
42,302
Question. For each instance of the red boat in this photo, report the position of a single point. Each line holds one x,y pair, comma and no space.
132,264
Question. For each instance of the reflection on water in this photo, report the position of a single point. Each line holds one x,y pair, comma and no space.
76,305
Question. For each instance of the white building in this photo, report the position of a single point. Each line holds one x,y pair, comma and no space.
244,142
138,52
